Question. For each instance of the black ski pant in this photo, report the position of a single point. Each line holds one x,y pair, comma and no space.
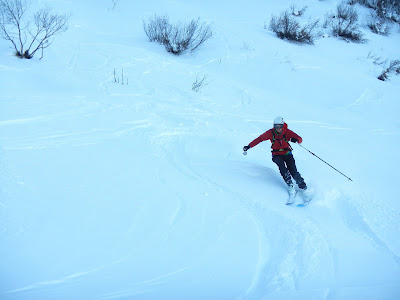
287,168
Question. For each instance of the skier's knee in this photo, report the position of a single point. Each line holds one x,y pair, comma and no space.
288,179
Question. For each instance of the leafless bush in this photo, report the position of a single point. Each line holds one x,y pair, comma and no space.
287,27
389,67
177,38
344,23
392,67
378,25
200,82
388,9
376,59
297,12
29,36
115,2
367,3
121,79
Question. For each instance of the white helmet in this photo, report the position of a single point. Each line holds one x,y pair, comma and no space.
279,121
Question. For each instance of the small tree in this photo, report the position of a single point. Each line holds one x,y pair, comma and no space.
287,27
28,37
344,23
177,38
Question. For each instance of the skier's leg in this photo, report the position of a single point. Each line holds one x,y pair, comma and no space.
280,162
291,165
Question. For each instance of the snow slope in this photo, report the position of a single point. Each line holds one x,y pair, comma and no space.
141,191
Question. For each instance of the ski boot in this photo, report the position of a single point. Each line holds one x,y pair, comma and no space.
292,194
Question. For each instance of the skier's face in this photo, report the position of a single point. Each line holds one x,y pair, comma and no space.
278,128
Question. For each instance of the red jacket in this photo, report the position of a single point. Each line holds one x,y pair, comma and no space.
280,145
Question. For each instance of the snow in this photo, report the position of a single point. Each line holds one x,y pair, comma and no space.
141,191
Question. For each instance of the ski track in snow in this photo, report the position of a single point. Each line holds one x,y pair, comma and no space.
267,277
54,138
304,236
23,121
301,233
142,287
82,138
68,280
136,288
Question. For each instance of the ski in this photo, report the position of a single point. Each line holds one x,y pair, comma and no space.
303,204
307,197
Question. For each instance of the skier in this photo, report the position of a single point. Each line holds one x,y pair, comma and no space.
282,155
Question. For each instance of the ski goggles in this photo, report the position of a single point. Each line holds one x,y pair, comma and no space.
278,126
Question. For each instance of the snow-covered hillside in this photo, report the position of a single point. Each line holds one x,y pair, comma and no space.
142,191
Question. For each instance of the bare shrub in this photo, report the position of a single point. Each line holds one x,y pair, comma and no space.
392,67
376,60
378,25
115,2
29,36
367,3
177,38
344,23
121,79
388,9
200,82
287,27
297,12
389,67
157,29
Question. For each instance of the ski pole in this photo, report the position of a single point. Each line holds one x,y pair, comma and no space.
325,162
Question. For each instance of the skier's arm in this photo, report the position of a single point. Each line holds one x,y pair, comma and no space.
293,137
265,136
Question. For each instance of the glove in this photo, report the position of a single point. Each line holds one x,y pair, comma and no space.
294,140
245,148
